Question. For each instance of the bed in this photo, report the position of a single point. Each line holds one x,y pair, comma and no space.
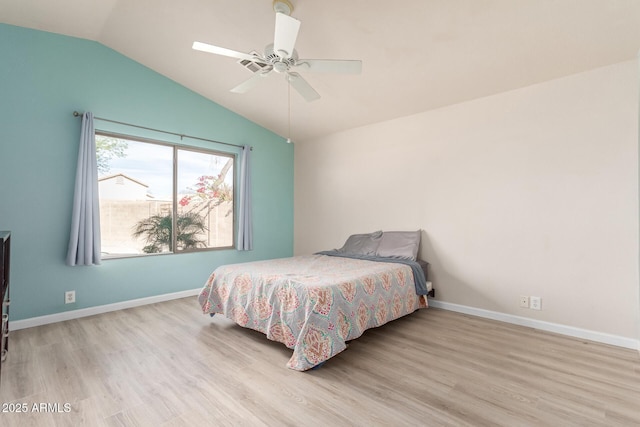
315,304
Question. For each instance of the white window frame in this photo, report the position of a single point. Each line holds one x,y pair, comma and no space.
176,148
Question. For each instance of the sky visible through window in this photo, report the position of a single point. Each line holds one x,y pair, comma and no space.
151,164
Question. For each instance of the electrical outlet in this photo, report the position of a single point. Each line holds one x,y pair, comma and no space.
536,303
524,302
70,297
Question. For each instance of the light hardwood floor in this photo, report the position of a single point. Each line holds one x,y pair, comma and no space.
168,365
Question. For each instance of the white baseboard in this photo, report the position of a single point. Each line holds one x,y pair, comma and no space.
84,312
488,314
539,324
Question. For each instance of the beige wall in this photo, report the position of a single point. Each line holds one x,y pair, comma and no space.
529,192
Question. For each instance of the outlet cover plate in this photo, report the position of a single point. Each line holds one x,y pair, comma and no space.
70,297
536,303
524,302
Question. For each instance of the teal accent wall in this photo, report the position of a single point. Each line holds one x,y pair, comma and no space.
44,77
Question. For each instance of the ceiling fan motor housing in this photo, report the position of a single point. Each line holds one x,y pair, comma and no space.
279,63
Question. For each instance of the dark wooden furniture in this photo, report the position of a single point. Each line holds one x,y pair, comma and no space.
5,256
425,268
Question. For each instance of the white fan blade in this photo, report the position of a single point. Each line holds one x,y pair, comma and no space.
303,88
286,34
247,85
330,66
226,52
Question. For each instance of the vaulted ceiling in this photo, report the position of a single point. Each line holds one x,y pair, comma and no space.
417,54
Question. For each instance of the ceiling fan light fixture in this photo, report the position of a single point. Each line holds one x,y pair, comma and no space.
282,6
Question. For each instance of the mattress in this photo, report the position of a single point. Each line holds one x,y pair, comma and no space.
313,304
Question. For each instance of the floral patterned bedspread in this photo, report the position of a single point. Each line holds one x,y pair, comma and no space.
312,304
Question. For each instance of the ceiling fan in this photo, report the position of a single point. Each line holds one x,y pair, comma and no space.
281,57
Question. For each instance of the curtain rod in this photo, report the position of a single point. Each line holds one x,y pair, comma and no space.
77,114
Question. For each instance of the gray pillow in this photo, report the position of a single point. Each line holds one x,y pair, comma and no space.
399,244
362,244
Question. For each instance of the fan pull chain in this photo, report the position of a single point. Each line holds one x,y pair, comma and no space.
289,112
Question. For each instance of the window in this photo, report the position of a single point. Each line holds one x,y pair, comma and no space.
162,198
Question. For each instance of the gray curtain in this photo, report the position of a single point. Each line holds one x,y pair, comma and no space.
245,228
84,241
